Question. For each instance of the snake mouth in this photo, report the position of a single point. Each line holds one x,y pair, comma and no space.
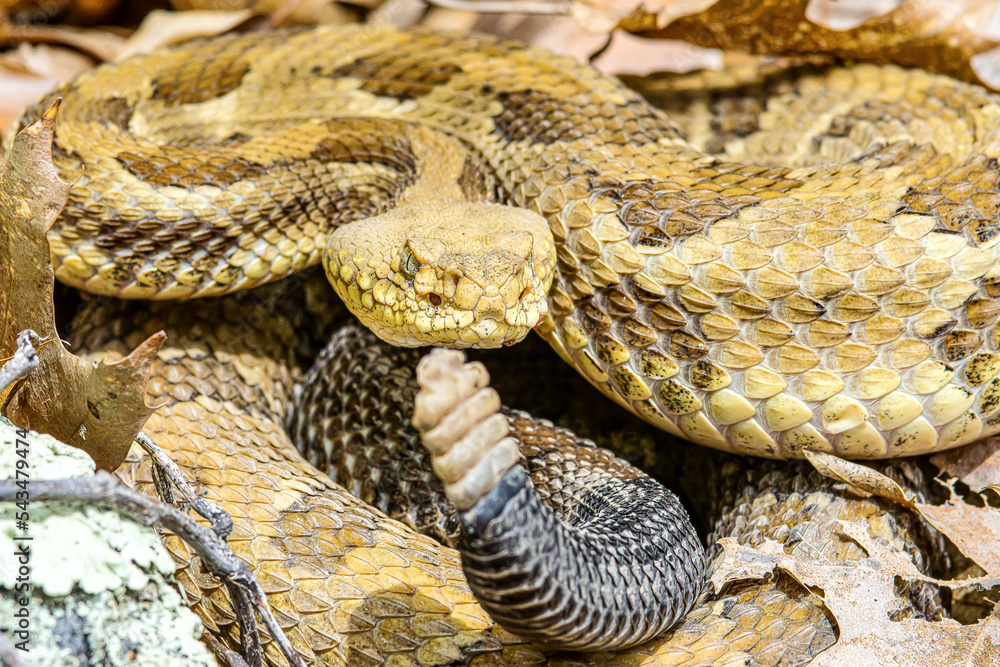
458,275
448,309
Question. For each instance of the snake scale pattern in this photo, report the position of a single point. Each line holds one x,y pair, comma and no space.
829,283
352,587
818,274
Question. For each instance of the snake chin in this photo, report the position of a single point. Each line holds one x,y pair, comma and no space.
437,283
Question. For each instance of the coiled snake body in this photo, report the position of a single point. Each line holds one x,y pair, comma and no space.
746,305
752,307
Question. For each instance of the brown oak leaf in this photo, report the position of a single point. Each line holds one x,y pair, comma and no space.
974,530
96,407
861,596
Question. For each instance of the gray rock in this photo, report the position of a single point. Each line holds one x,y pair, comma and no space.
101,588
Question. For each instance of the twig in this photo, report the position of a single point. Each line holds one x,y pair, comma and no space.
165,470
218,559
505,6
24,361
249,636
225,655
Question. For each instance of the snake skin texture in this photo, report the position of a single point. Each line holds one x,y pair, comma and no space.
826,279
585,553
351,586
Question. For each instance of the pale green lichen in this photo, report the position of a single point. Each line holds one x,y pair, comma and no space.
100,582
49,458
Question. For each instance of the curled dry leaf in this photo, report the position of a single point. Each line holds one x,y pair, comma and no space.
162,27
96,407
974,530
100,44
959,38
606,15
862,599
861,477
977,465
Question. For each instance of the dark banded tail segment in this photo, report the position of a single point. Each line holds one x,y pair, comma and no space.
625,568
607,560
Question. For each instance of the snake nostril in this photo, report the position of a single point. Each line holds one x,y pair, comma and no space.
525,292
434,299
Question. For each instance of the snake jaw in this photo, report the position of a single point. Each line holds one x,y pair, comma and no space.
445,286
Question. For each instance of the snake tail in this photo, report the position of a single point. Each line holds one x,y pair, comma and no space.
562,543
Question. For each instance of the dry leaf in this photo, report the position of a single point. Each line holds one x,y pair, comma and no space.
859,476
977,465
974,530
49,62
605,15
162,27
101,44
96,407
17,91
958,38
287,12
861,596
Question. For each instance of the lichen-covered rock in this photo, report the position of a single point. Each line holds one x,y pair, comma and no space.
96,584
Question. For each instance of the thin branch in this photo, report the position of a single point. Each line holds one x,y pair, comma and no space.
164,469
217,558
249,636
223,654
24,360
506,6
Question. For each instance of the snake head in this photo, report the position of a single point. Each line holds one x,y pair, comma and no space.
455,274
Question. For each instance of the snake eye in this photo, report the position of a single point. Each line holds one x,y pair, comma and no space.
408,264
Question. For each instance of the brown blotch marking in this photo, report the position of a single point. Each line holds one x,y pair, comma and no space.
594,317
349,204
357,141
366,141
982,312
114,111
731,118
146,238
189,84
708,377
636,334
538,117
235,139
188,172
677,399
981,368
960,344
474,181
666,318
686,346
620,304
327,208
401,78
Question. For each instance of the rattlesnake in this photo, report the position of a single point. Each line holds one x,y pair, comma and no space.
763,309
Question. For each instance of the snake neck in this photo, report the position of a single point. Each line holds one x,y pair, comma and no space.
444,265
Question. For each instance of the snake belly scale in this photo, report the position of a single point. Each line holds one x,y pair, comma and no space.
826,282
